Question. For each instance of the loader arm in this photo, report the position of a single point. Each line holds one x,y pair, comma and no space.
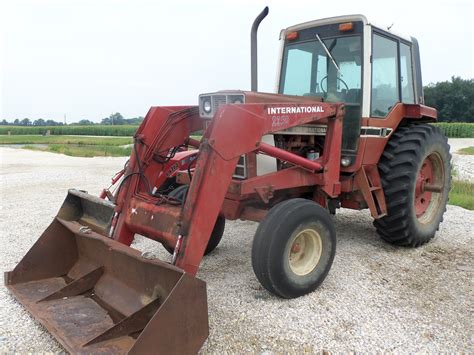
162,129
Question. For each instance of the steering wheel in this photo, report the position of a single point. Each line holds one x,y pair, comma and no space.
325,78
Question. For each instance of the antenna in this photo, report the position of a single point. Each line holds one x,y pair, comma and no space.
389,27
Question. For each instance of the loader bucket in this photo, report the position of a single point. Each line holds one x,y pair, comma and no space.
95,295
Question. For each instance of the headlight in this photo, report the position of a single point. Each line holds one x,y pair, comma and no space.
345,161
210,103
206,105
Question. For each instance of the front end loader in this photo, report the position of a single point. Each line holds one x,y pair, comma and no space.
99,296
333,136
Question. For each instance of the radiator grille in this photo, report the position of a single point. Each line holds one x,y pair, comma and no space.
218,100
241,168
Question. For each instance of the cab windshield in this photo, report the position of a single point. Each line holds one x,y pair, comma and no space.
309,71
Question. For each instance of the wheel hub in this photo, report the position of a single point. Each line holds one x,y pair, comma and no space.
422,197
429,187
305,252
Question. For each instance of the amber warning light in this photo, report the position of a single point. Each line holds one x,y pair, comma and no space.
345,27
291,36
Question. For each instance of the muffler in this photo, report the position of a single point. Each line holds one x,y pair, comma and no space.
95,295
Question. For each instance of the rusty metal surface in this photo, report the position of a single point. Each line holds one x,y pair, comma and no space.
161,227
95,295
89,210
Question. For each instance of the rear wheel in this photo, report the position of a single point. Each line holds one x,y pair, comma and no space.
180,194
416,177
293,248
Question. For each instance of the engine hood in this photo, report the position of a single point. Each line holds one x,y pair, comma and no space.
209,103
252,97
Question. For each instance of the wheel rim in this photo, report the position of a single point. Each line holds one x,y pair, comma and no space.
305,252
429,188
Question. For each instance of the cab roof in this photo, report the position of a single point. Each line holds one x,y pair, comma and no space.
339,19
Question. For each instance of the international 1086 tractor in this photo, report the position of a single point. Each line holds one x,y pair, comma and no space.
347,127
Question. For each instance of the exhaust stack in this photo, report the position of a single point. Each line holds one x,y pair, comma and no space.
253,48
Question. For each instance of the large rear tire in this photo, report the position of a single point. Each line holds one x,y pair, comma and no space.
415,170
293,248
180,194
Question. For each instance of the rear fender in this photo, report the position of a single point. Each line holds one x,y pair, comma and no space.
379,130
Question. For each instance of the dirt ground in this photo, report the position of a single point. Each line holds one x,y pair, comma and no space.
376,297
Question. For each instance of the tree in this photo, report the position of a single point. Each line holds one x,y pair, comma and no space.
114,119
134,121
84,123
25,122
53,123
16,122
454,100
39,122
4,122
117,118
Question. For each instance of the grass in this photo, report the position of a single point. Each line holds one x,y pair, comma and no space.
451,129
31,139
468,151
454,171
88,151
74,146
462,194
95,130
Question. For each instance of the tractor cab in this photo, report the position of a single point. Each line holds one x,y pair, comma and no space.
347,59
340,59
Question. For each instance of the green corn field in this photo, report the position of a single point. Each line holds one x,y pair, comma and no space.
93,130
457,129
452,130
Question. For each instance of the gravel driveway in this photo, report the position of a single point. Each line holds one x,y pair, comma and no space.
464,164
376,297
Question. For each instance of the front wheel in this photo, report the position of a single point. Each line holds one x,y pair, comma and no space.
293,248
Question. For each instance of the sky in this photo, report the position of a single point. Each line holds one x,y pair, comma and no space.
85,59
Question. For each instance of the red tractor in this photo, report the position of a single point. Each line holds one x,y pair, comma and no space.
346,128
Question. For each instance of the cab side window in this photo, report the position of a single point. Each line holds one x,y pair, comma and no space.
298,72
406,74
385,90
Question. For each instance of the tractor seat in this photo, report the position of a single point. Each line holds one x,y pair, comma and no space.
353,96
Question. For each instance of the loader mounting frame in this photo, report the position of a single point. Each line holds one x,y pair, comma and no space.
212,190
